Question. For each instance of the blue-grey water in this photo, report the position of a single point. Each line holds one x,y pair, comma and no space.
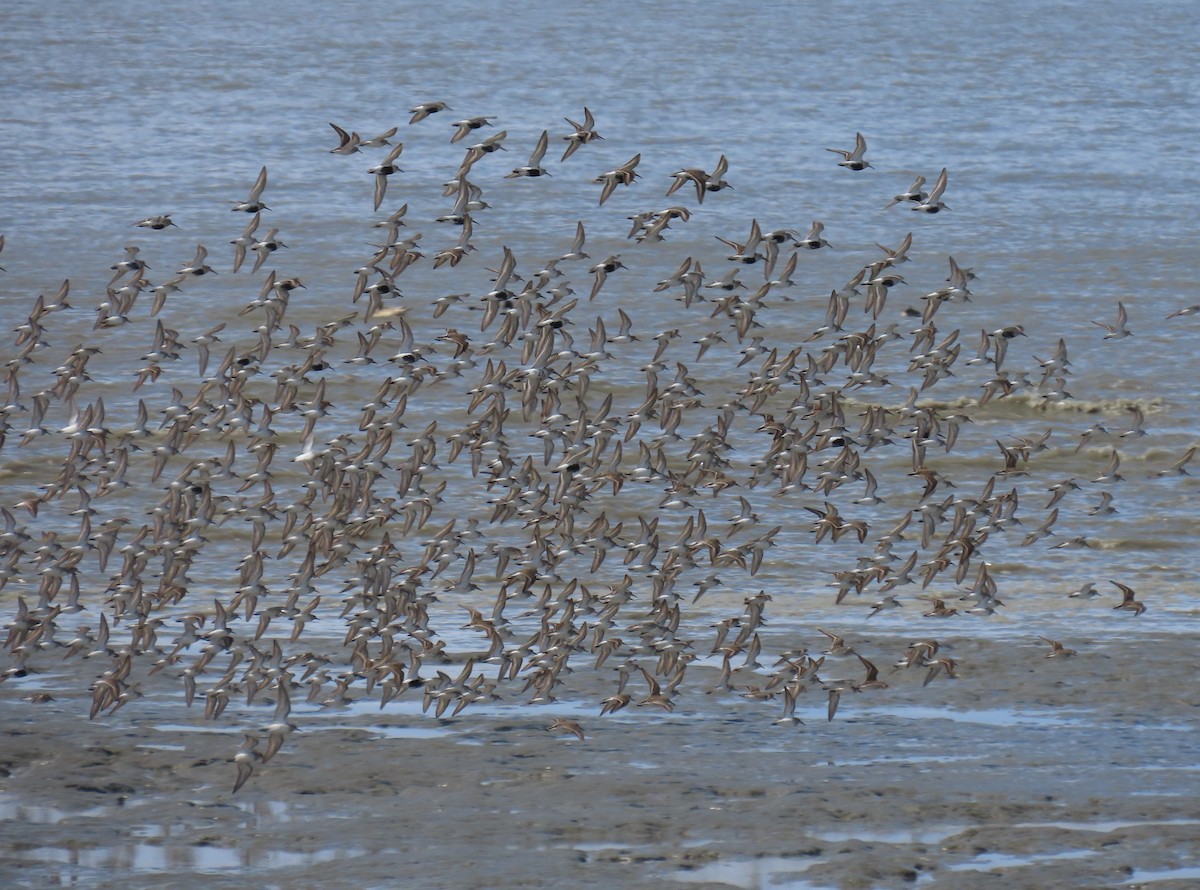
1067,138
1068,134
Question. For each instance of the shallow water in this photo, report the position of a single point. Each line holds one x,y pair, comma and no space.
143,858
775,873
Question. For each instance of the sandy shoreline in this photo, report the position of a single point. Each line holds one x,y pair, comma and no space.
1025,772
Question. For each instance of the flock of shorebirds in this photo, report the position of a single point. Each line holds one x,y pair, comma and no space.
498,469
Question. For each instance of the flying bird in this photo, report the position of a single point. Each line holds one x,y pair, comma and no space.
933,201
422,111
534,167
854,159
253,202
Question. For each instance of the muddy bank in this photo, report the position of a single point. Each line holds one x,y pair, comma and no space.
1024,772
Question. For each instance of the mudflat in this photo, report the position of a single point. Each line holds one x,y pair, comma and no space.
1025,771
